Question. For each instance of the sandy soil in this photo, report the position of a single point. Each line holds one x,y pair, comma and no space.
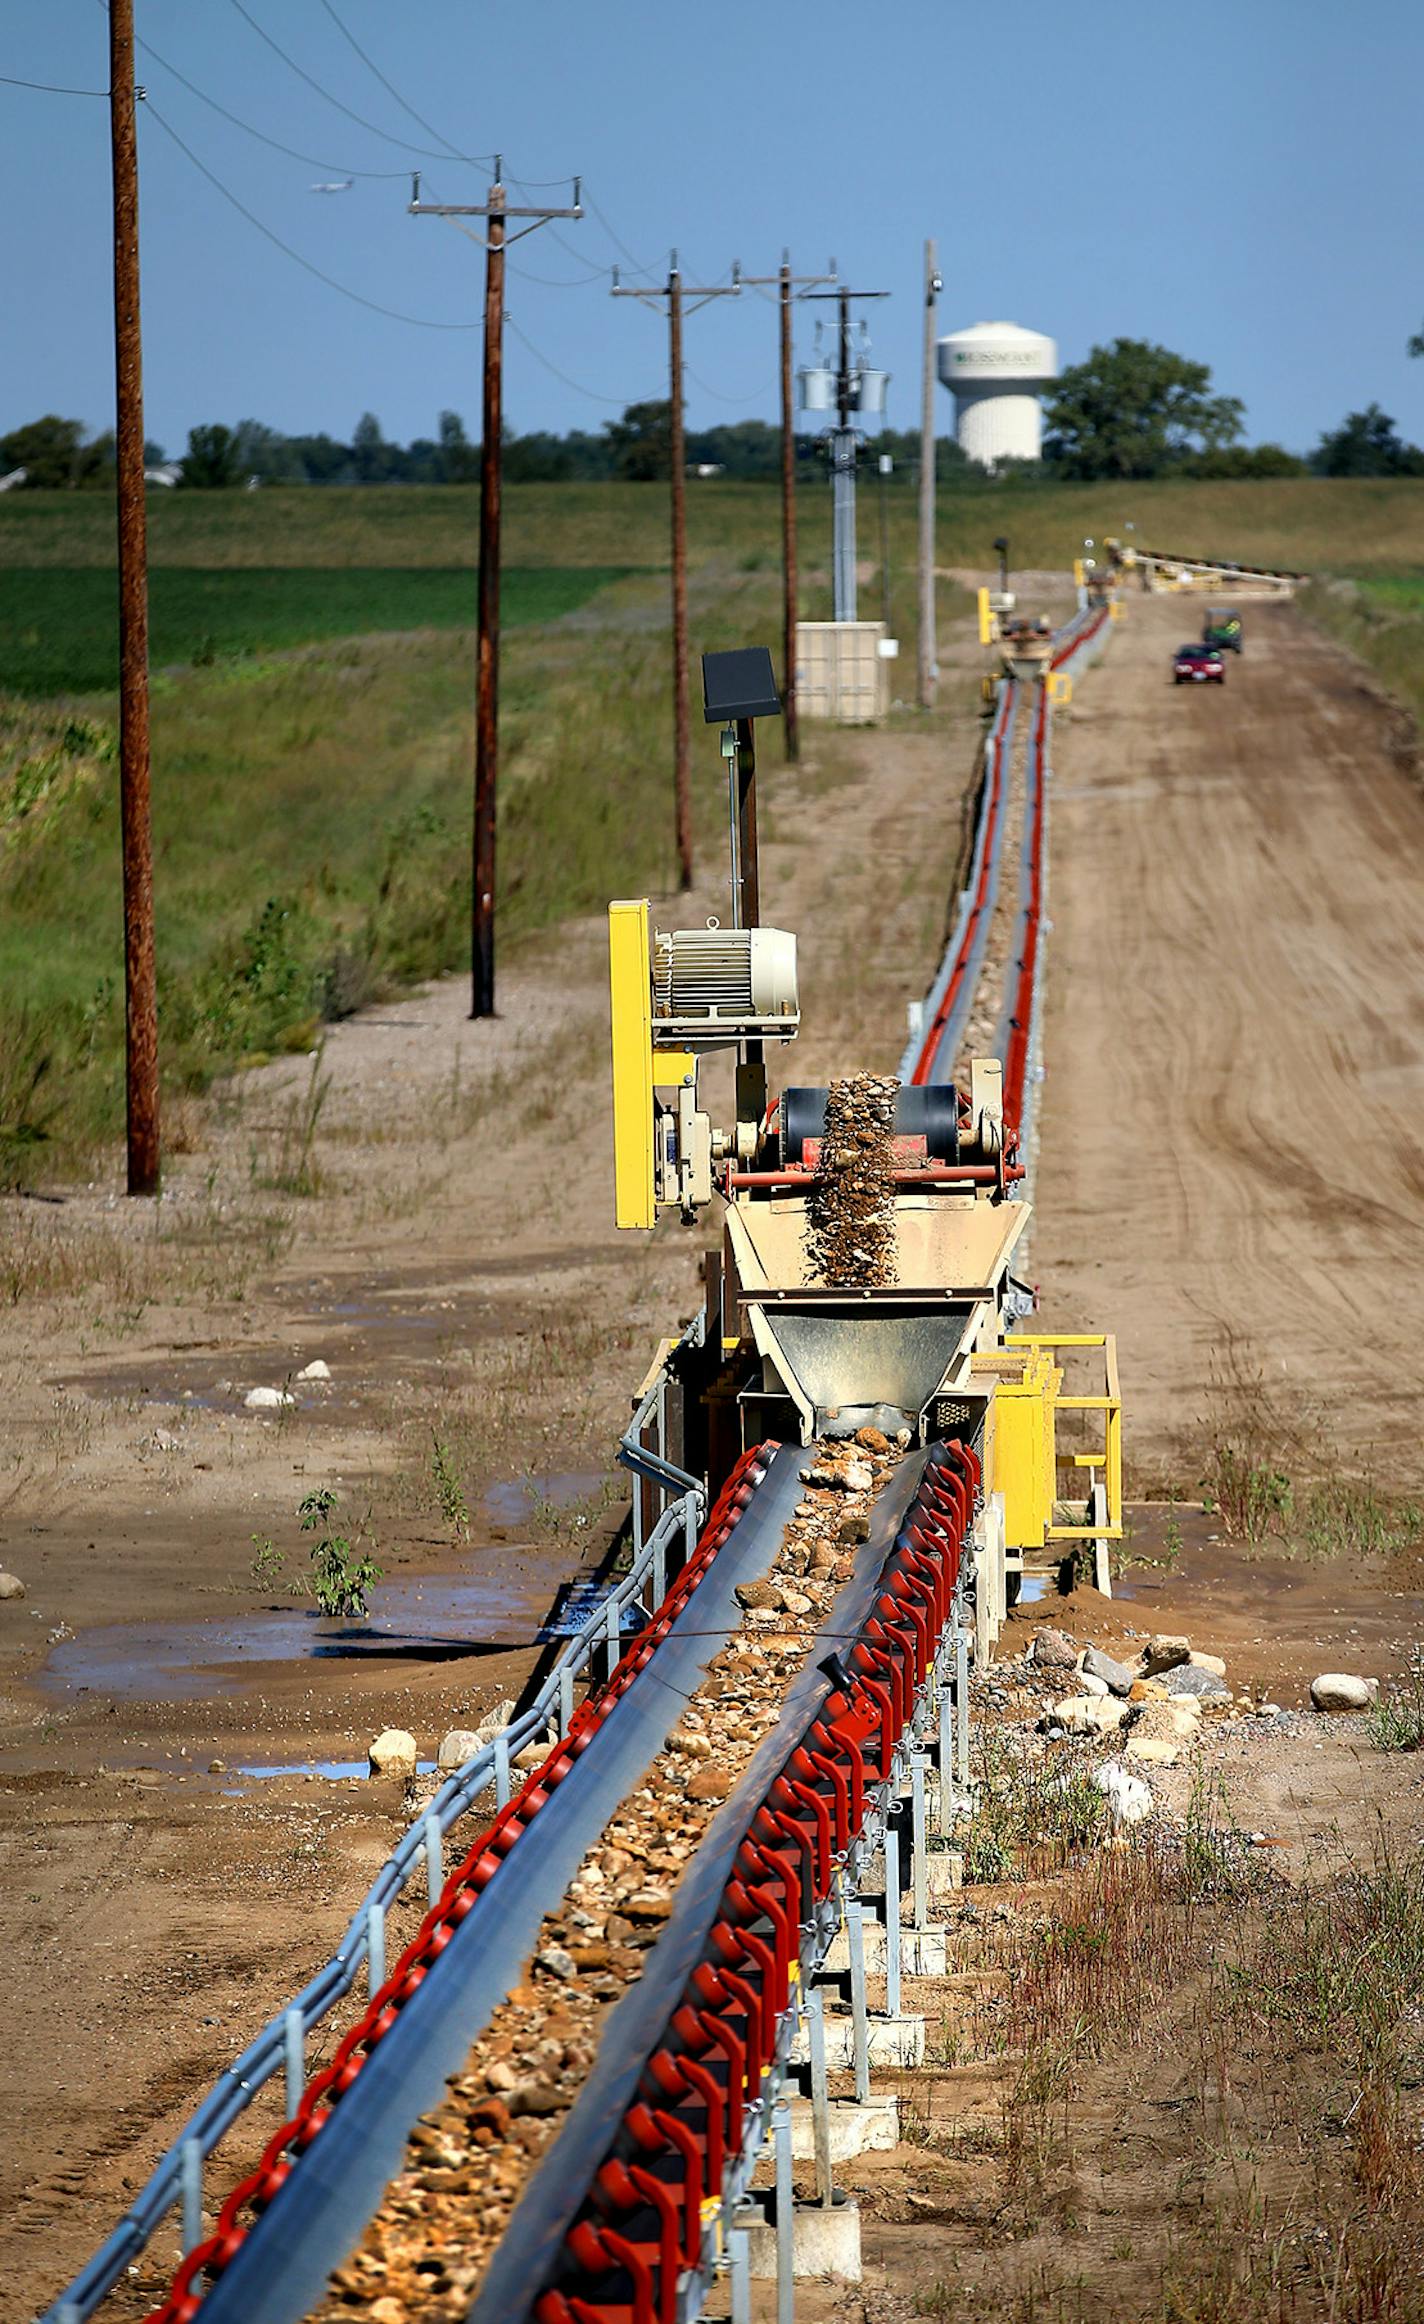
461,1276
1233,1117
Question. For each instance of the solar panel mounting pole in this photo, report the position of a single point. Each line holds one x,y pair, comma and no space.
675,291
140,976
496,240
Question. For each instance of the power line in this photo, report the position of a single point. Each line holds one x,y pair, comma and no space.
50,88
392,90
312,160
742,395
616,403
617,239
303,75
392,314
558,281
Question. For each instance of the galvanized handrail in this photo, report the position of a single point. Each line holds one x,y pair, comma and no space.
280,2048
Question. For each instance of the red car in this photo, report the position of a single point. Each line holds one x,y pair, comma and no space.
1194,663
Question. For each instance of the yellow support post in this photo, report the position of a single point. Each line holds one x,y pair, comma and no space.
986,620
630,991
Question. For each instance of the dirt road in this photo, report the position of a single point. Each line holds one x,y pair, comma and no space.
1233,1125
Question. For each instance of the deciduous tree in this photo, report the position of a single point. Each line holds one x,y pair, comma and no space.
1135,409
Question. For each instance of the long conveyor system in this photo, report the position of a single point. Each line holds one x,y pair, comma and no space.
624,2219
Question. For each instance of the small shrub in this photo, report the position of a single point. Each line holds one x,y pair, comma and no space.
1349,1517
1251,1496
268,1563
342,1575
449,1492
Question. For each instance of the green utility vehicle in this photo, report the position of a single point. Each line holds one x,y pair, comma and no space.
1222,629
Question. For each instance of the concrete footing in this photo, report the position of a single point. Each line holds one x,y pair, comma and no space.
871,2128
890,2041
944,1872
823,2243
922,1951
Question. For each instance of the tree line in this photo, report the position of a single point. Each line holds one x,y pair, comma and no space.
1130,410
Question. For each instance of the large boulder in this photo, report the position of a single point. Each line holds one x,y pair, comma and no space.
1090,1714
1163,1652
393,1753
11,1586
1115,1675
460,1745
1337,1690
1054,1650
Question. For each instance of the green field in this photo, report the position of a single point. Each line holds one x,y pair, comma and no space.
1340,525
58,622
311,806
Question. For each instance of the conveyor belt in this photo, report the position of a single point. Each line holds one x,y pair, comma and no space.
532,2241
281,2269
951,997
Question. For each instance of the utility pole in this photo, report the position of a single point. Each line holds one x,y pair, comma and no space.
675,291
790,731
929,665
785,282
140,976
497,211
845,451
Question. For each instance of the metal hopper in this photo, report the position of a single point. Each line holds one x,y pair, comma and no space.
843,1354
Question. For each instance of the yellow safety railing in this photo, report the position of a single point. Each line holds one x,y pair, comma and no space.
1108,1402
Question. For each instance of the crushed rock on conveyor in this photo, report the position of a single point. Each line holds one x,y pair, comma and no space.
423,2255
850,1213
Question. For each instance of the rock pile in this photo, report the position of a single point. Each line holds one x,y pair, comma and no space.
1154,1705
850,1216
467,2162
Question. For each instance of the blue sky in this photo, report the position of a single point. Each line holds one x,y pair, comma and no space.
1242,183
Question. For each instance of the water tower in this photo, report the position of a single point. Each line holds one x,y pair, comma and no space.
996,373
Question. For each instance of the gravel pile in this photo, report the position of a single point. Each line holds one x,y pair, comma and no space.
850,1215
425,2253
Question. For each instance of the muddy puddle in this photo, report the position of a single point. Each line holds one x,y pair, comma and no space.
515,1500
420,1623
311,1770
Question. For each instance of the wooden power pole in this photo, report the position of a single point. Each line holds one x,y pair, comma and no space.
786,282
929,666
675,291
140,977
790,730
482,907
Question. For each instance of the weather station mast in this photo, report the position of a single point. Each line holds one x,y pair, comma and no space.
852,389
